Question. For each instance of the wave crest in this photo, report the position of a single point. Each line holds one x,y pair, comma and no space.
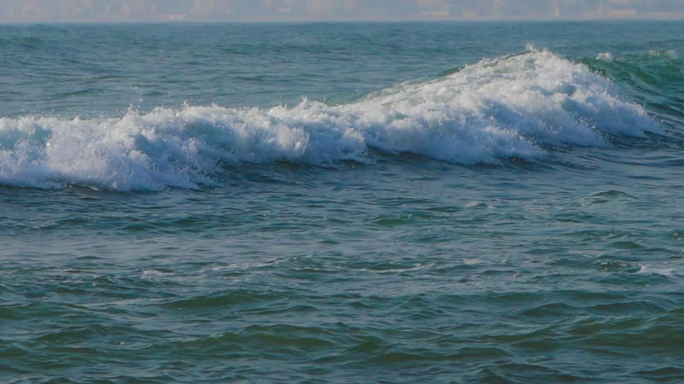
502,108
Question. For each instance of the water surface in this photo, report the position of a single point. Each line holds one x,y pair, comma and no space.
342,203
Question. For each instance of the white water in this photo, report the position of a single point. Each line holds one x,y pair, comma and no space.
605,56
495,109
671,54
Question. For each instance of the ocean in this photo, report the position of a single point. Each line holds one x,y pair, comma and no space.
495,202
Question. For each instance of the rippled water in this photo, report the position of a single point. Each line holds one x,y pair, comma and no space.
342,203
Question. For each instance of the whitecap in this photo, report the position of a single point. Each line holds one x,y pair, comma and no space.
605,56
670,53
504,108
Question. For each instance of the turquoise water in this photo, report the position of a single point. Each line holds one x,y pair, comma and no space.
342,203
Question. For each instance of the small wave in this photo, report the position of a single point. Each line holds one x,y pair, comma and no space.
509,107
605,197
22,42
671,53
605,56
651,270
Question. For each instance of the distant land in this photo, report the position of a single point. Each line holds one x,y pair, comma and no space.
27,11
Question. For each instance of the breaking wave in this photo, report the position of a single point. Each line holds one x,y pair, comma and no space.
510,107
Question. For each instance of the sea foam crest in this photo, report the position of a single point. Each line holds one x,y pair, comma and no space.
605,56
670,53
495,109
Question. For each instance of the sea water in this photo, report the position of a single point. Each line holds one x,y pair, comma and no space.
342,203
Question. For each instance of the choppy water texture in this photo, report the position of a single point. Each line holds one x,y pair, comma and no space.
342,203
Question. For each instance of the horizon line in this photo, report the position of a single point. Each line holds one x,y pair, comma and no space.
270,20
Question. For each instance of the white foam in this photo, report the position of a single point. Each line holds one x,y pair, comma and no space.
495,109
671,53
605,56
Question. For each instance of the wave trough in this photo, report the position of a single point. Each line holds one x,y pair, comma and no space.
508,107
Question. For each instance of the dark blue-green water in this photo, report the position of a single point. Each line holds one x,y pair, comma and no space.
342,203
